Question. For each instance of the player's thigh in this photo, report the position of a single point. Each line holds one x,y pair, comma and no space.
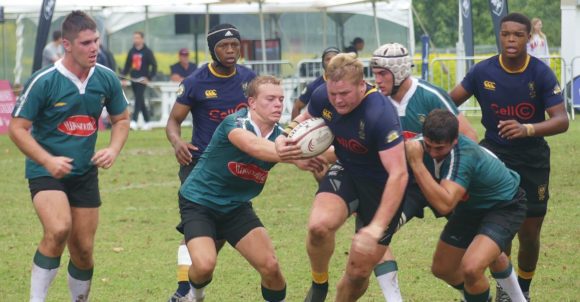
51,205
203,253
328,209
446,259
258,250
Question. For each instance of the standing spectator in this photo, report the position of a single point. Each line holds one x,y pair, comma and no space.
355,46
106,58
142,67
55,125
183,68
538,43
521,103
53,51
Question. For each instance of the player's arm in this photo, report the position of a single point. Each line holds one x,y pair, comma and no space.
286,147
465,127
106,157
459,95
19,132
173,132
442,196
296,108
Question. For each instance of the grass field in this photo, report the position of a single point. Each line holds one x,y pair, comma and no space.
136,242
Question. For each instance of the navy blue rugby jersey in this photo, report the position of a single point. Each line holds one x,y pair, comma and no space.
361,134
212,97
522,95
307,94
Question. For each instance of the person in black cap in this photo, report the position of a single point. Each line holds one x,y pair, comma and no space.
304,98
210,93
356,45
183,68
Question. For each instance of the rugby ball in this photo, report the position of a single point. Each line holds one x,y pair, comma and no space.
313,136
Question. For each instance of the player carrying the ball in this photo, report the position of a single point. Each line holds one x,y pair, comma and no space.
369,177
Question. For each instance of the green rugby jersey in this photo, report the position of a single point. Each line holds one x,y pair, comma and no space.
418,102
65,112
486,179
225,176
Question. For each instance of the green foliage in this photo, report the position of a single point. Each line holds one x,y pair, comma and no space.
136,243
441,19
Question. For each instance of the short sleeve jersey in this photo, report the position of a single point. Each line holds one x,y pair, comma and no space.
307,94
212,97
486,179
504,95
65,112
418,102
225,176
360,135
177,68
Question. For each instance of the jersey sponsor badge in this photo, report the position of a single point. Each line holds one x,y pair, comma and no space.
248,172
211,94
327,115
557,89
393,135
489,85
180,90
60,104
78,125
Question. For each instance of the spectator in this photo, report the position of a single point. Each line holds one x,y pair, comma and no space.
53,51
142,67
183,68
356,45
538,43
106,58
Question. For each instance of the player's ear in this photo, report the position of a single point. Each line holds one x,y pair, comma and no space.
252,102
66,44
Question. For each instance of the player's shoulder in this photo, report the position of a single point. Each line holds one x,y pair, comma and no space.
105,71
43,76
245,72
539,69
376,107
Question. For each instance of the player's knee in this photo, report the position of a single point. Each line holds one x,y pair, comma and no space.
319,230
440,271
471,271
57,234
270,269
203,266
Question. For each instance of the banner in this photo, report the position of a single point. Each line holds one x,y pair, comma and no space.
425,58
7,102
498,9
42,32
467,30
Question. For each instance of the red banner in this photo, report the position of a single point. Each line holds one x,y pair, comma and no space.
7,101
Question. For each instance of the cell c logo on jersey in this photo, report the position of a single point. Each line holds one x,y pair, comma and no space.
248,172
523,111
218,115
352,145
78,125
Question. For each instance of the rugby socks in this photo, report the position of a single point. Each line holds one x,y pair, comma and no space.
386,273
320,278
79,282
525,279
183,263
460,287
508,282
198,289
271,295
44,270
483,297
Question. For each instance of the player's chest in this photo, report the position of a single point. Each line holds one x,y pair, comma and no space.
508,89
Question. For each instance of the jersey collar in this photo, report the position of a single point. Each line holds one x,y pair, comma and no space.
81,86
517,70
215,73
402,106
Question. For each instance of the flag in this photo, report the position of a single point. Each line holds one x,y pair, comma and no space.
498,9
44,22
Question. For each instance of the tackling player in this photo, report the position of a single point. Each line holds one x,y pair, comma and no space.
211,93
515,91
55,125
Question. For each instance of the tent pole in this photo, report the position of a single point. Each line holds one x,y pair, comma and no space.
324,28
207,58
376,24
147,25
262,35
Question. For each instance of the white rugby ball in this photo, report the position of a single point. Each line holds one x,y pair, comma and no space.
313,136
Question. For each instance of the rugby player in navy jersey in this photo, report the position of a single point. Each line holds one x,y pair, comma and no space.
369,177
515,91
211,93
304,98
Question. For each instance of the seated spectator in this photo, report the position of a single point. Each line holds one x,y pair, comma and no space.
183,68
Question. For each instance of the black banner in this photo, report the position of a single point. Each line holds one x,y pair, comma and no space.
498,9
42,32
1,14
467,30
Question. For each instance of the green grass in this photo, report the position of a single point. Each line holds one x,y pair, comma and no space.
139,213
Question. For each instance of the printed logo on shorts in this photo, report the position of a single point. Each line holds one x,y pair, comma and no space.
542,192
78,125
248,172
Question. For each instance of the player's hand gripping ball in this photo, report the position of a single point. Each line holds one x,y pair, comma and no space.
313,136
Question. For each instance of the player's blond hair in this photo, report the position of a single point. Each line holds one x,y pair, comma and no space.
253,87
345,67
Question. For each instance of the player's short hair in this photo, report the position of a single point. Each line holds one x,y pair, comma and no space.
57,34
345,66
75,22
518,18
254,86
441,126
140,33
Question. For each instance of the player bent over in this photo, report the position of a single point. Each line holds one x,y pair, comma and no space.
62,105
487,206
369,177
215,199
